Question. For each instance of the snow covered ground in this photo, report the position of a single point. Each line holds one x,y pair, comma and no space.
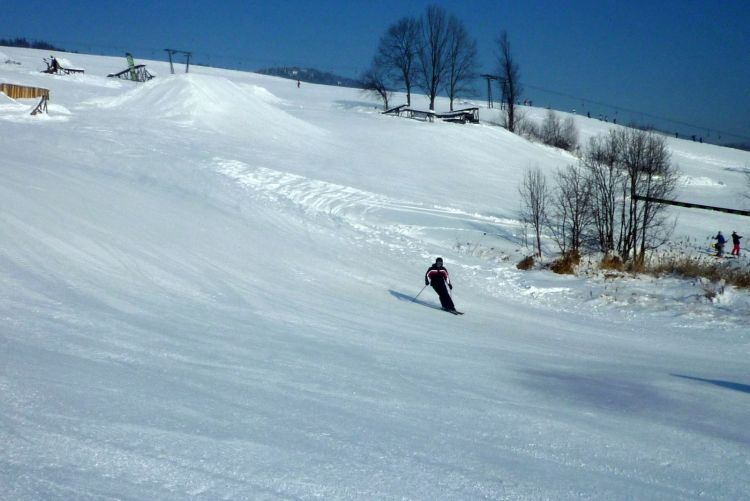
206,288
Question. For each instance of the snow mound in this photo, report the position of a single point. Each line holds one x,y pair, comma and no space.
700,181
209,102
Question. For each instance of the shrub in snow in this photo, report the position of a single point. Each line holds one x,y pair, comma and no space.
526,263
612,262
705,269
567,263
560,134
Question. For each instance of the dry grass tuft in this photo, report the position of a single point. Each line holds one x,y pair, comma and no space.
699,267
526,263
567,263
612,262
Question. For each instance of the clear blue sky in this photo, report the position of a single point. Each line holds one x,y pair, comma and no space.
683,60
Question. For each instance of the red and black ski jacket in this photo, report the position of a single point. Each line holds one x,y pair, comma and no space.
438,273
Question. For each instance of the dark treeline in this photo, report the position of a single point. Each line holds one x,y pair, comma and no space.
311,75
35,44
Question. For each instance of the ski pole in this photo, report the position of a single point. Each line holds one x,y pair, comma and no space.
420,292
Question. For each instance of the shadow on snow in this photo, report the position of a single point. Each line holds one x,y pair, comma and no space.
410,299
744,388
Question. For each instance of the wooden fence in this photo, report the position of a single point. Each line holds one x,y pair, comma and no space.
22,92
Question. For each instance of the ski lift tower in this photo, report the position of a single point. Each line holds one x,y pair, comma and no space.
490,79
187,59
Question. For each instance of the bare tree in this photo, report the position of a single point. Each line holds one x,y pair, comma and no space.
534,198
657,178
625,166
570,202
462,59
374,82
433,51
607,181
510,78
398,50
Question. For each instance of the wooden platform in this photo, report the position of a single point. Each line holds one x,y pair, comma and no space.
463,116
14,91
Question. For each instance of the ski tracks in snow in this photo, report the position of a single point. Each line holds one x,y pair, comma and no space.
408,228
379,217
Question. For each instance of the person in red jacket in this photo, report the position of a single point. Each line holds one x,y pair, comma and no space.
735,244
437,276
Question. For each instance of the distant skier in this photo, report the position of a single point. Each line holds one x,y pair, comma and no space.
736,244
720,241
437,276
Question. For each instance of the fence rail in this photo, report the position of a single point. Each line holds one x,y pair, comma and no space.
693,206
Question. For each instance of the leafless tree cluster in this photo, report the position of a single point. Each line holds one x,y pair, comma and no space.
553,131
561,134
434,53
599,203
570,203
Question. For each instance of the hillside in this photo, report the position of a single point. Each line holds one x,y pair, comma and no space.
206,288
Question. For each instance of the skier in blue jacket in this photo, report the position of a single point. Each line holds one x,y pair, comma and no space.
720,242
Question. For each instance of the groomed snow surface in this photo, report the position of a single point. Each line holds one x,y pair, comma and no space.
206,288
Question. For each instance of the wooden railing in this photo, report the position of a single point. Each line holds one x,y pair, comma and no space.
690,205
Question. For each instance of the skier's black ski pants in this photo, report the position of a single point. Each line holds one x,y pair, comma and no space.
442,291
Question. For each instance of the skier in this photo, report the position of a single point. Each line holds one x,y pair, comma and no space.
437,276
720,241
736,242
